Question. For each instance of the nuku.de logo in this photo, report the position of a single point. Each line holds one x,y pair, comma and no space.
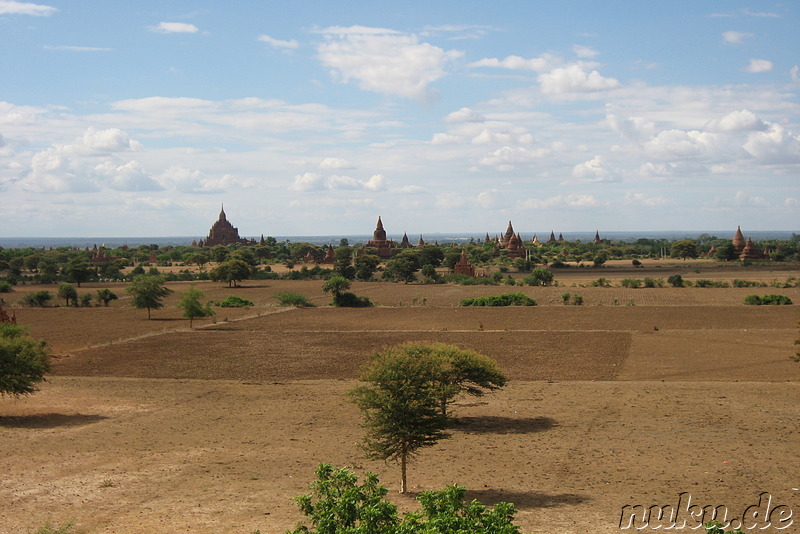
685,515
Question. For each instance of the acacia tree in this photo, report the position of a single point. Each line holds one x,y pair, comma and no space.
400,406
105,296
147,291
191,306
68,293
23,361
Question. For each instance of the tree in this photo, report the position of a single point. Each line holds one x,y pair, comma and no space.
105,296
336,286
338,504
400,406
23,361
401,267
148,291
343,262
231,271
725,252
366,265
68,293
539,277
686,248
191,306
77,271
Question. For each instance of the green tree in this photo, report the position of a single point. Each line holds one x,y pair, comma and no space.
685,248
77,271
105,296
725,252
343,262
191,306
336,286
402,268
400,406
231,271
339,505
68,293
539,277
366,265
23,361
148,291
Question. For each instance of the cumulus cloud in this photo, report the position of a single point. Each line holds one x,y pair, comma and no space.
575,201
734,37
737,121
464,115
377,182
506,157
643,199
277,43
490,200
174,27
759,65
742,199
131,176
775,145
592,171
11,7
445,139
311,181
384,61
188,180
335,163
543,63
585,51
633,128
575,78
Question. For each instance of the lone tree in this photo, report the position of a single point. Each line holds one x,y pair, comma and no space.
68,293
191,306
337,286
147,291
400,405
105,296
23,361
231,271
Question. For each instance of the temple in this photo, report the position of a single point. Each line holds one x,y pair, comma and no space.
738,240
223,233
379,241
463,266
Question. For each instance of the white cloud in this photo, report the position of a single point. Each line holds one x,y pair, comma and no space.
335,163
585,51
794,73
445,139
737,121
309,181
128,177
543,63
464,115
576,201
634,128
490,200
377,182
592,171
175,27
188,180
277,43
774,146
759,65
11,7
734,37
743,200
642,199
384,61
506,157
575,78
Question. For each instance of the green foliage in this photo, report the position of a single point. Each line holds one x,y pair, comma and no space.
711,283
23,361
636,263
714,527
37,298
539,277
337,287
577,300
338,505
653,282
465,280
191,306
507,299
401,268
686,248
675,280
86,300
632,283
231,271
747,283
767,300
365,266
565,298
49,528
148,292
233,301
6,287
601,282
287,298
105,296
68,293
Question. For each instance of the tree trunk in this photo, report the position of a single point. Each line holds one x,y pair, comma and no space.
403,457
148,314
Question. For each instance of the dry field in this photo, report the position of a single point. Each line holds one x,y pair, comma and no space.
633,398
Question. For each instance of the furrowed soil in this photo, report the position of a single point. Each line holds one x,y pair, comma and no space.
634,398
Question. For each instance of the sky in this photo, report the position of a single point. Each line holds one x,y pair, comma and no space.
315,117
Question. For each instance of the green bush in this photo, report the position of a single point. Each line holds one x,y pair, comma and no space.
767,300
465,280
711,283
508,299
235,302
347,299
6,287
652,282
675,280
632,283
539,277
747,283
39,298
601,282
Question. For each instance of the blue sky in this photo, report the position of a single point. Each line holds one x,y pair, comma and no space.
313,118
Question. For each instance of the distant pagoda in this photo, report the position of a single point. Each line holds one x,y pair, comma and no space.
223,233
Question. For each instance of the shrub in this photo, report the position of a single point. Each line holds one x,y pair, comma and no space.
675,280
465,280
601,282
558,264
747,283
711,283
235,302
767,300
577,300
287,298
652,282
565,298
508,299
636,263
632,283
347,299
539,277
6,287
39,298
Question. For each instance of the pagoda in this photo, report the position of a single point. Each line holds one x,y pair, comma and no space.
463,266
330,255
223,233
749,251
738,240
379,241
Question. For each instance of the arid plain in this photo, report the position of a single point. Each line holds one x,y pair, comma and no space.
634,397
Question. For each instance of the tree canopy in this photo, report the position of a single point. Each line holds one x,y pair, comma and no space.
191,306
23,361
148,292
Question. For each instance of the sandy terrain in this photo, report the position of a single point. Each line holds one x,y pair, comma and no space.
146,426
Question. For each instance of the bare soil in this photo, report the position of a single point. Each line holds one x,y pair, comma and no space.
148,426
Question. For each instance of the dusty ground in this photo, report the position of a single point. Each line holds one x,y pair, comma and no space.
147,426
